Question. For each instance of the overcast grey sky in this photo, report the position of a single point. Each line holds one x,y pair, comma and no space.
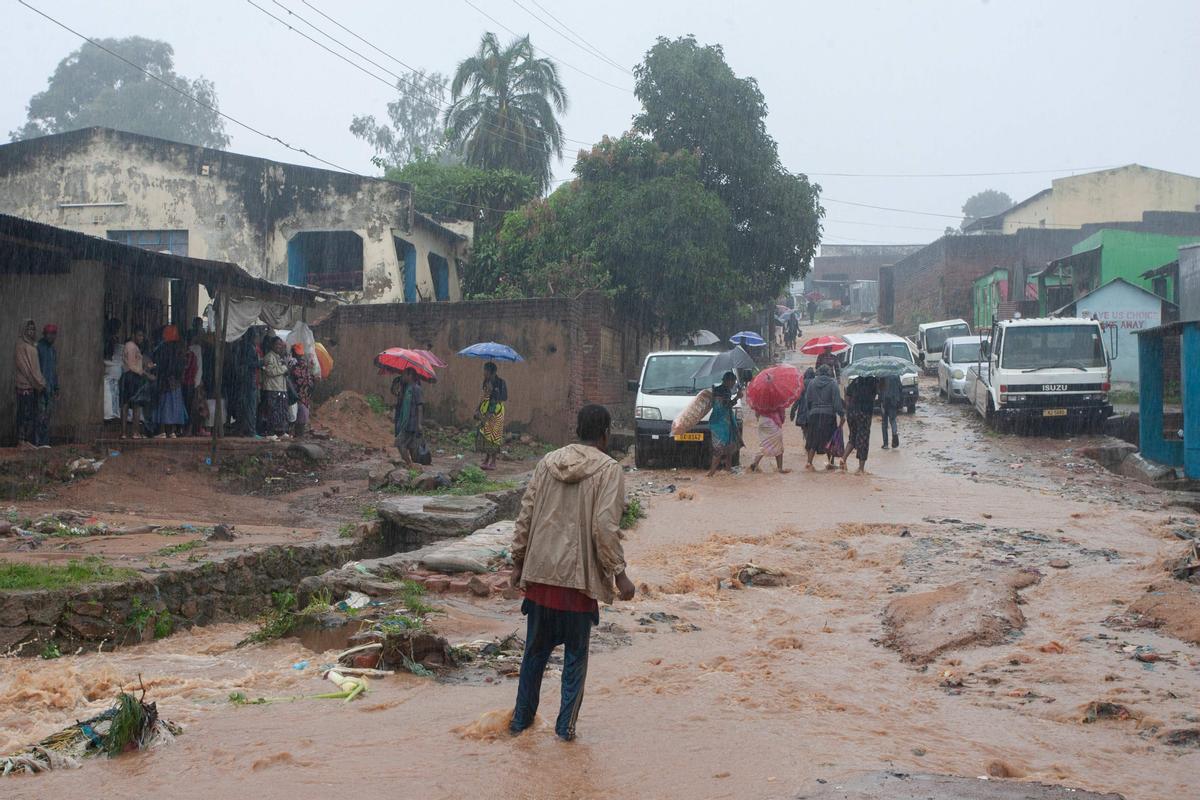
925,86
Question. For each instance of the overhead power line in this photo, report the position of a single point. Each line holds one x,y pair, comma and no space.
570,36
548,53
179,91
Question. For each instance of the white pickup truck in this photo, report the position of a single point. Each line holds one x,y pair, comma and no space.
1034,371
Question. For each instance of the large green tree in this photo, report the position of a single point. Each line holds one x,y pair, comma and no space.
416,130
91,87
692,100
637,222
506,103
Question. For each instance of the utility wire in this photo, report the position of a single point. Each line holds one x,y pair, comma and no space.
188,95
597,50
238,122
571,37
431,101
548,53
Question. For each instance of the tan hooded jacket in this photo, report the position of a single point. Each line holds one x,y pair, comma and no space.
569,530
27,368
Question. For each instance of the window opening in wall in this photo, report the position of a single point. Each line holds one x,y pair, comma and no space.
173,242
439,269
330,260
406,252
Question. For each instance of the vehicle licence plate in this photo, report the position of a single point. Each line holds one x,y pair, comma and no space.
689,437
1054,412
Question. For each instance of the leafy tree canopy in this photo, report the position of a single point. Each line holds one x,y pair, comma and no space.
416,130
465,192
92,88
506,102
637,222
987,203
693,101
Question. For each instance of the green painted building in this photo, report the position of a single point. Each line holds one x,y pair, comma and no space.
987,293
1102,257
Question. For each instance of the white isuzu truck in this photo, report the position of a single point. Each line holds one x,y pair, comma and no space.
1034,371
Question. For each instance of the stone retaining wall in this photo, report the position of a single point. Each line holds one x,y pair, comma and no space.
233,587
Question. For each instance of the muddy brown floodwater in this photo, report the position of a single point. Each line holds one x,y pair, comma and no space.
728,692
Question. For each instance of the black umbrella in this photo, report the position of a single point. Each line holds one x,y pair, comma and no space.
718,365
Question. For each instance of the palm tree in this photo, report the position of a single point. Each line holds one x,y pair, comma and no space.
504,106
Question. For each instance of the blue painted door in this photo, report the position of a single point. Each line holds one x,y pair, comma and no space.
297,271
408,256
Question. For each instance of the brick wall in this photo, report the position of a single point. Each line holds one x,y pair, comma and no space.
936,282
577,351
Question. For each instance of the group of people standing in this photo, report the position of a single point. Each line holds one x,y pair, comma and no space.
36,379
168,388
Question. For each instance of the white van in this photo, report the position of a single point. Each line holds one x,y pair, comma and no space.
931,338
1043,370
866,345
666,388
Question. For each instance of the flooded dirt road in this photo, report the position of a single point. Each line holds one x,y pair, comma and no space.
702,690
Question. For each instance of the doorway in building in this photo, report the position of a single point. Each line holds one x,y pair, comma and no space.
407,253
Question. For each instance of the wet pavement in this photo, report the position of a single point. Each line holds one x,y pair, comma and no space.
705,686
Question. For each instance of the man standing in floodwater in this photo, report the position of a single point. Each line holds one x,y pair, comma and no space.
567,556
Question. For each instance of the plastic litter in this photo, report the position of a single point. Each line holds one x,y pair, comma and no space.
300,665
354,600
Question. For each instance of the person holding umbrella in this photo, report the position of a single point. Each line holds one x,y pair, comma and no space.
722,425
406,388
860,403
769,394
489,437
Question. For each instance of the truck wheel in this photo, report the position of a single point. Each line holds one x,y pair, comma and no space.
993,419
912,407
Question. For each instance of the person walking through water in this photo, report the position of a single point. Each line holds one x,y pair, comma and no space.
826,413
722,425
770,440
29,384
889,407
567,556
489,438
799,411
827,356
860,403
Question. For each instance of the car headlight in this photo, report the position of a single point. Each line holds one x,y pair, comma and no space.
647,412
958,374
908,379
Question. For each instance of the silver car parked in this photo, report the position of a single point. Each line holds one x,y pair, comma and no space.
959,354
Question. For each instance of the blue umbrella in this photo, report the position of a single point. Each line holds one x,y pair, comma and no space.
491,351
748,338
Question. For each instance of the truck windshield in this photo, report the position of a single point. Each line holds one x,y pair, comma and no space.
871,349
965,353
936,337
673,374
1053,346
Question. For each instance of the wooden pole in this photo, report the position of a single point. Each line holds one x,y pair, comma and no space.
222,305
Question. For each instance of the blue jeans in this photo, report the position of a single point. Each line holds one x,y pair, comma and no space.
547,629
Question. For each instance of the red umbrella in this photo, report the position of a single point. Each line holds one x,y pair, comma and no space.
817,345
774,388
398,359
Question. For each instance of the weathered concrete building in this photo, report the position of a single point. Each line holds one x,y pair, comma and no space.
359,237
1122,194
